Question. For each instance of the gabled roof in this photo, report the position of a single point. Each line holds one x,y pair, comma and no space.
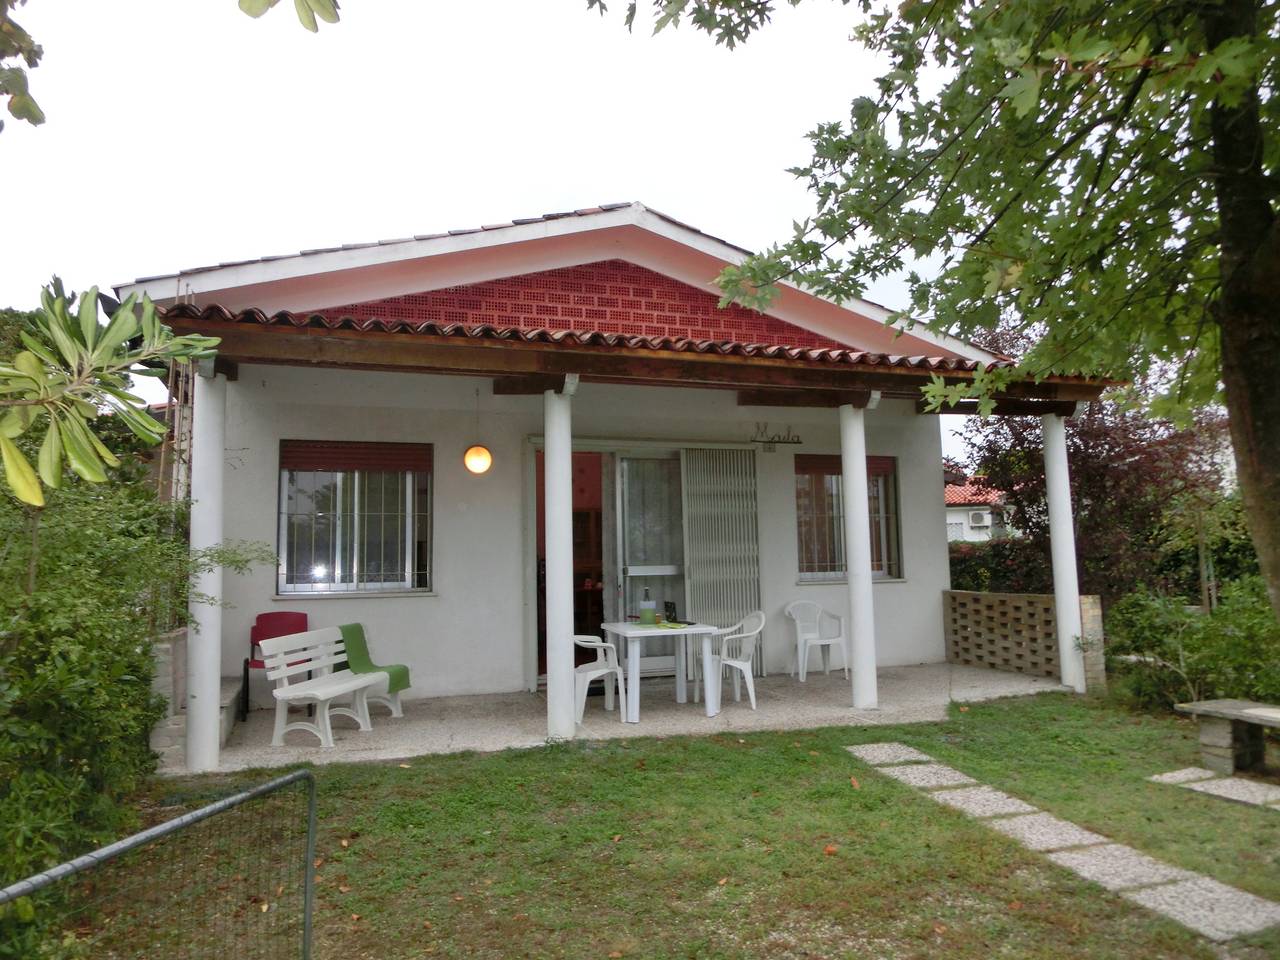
973,492
313,280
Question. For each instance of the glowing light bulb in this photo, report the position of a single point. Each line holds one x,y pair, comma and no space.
477,459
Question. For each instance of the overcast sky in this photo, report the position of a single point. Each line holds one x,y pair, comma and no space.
185,133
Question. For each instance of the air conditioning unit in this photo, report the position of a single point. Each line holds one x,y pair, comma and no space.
979,518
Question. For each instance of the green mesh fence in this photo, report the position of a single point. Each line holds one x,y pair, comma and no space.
233,879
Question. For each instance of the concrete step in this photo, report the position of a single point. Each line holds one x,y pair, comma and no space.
168,738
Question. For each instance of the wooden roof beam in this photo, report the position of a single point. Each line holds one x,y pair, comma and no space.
1008,407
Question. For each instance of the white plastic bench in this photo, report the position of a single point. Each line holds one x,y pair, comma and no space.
315,652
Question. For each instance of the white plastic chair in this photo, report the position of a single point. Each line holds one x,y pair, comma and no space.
807,619
736,648
605,665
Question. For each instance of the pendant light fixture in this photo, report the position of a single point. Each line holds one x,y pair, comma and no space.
477,459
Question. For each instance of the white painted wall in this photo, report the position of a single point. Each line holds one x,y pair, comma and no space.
976,534
469,635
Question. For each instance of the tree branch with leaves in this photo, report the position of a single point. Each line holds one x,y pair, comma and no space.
1101,172
74,369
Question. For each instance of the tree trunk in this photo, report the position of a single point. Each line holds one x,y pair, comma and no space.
1246,313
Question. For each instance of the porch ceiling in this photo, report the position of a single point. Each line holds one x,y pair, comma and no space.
525,359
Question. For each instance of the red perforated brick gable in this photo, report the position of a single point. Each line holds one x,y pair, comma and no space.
611,296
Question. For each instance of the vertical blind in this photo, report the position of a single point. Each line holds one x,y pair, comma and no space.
722,549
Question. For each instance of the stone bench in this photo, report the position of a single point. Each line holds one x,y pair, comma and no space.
1231,735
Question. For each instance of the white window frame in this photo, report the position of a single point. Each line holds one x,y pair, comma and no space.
355,588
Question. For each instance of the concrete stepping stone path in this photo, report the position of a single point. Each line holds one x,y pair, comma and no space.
1044,831
1242,790
1212,909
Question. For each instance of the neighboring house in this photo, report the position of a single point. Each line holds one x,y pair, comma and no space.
720,458
975,512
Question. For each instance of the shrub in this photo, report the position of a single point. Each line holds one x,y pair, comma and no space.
1166,652
1006,565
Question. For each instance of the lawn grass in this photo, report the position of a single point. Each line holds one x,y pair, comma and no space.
761,845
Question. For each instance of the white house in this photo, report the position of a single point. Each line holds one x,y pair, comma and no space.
975,512
640,437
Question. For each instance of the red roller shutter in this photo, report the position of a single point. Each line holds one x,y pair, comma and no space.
337,455
829,464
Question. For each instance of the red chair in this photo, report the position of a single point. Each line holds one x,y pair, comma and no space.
278,623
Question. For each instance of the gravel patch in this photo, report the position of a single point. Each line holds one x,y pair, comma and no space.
982,802
1118,867
1208,907
1185,775
927,775
1239,789
878,754
1043,831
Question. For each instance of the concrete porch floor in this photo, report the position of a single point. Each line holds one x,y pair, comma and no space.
915,694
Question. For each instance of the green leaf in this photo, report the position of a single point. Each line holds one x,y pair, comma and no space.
58,324
1023,91
326,10
39,349
144,427
122,326
23,107
29,364
50,459
81,454
19,475
109,458
89,317
306,16
15,422
256,8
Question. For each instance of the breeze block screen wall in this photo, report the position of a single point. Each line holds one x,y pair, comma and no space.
1018,632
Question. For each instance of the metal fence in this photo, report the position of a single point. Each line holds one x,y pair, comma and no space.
234,878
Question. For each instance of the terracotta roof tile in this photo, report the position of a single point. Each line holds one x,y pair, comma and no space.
972,492
577,338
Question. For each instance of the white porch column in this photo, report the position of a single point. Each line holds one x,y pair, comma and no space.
204,638
1062,544
857,551
557,460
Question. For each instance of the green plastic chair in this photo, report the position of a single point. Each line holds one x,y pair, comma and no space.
359,661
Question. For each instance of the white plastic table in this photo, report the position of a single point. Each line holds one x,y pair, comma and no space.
634,635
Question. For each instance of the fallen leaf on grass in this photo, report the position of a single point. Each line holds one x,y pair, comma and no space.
343,888
279,889
964,709
265,907
345,843
830,849
406,766
939,929
318,862
813,753
615,954
617,837
853,782
1016,905
426,924
355,916
457,897
722,881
